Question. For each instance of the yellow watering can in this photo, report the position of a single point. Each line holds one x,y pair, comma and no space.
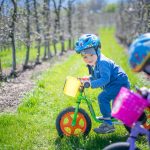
71,86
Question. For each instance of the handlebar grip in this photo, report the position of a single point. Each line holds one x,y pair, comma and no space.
143,92
86,84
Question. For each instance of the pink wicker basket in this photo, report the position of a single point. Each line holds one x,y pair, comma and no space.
128,106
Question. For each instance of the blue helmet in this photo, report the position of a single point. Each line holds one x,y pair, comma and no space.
87,41
139,52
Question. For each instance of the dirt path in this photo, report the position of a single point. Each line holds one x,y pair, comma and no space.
12,92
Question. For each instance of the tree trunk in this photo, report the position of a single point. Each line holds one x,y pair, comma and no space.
54,45
46,11
13,52
12,36
27,36
49,51
57,22
45,49
38,40
62,47
148,15
70,23
62,44
1,72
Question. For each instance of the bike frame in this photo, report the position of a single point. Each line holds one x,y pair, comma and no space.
89,104
136,130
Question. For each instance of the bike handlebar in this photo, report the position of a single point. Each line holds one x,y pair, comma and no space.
144,92
84,82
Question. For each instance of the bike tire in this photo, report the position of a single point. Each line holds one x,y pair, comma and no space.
119,146
83,125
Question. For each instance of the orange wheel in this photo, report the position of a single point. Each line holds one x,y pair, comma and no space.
64,123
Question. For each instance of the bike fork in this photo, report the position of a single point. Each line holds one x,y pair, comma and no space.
136,130
75,114
131,141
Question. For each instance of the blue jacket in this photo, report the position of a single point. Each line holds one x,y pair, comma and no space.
106,72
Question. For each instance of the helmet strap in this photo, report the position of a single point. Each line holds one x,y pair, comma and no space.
96,50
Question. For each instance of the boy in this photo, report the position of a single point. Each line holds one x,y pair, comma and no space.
139,59
105,74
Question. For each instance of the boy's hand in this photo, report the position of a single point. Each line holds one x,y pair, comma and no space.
144,92
85,78
86,81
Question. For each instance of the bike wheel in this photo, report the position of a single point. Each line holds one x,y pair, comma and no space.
119,146
64,123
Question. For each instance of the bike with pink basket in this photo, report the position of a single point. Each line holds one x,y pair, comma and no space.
129,107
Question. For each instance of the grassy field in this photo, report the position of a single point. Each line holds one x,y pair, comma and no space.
33,126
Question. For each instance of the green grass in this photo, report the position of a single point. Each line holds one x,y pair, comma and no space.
33,126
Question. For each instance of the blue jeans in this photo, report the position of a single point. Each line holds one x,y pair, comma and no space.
107,95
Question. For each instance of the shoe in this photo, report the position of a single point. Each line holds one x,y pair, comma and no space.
103,118
104,128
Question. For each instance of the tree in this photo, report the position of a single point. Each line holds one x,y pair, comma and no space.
110,8
57,9
147,11
47,26
38,39
25,66
1,72
133,19
1,4
96,5
12,37
69,10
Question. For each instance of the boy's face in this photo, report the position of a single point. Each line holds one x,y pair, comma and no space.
89,59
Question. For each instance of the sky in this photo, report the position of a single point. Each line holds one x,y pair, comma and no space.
112,1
